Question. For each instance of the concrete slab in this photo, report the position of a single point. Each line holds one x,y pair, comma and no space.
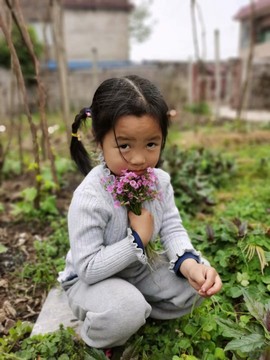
55,311
248,115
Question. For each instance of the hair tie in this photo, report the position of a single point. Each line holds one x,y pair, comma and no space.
172,113
76,135
87,112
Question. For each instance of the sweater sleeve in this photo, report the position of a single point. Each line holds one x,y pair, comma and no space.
92,260
174,236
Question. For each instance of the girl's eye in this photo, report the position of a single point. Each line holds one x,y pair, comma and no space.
123,147
151,145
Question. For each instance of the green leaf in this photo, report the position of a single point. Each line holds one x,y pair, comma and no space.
235,292
189,329
219,354
3,249
95,354
63,357
246,344
231,329
255,308
266,279
29,194
48,205
184,343
132,351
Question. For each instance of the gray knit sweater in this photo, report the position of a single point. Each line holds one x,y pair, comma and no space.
101,242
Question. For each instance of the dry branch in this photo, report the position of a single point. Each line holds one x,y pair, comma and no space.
60,52
20,23
22,88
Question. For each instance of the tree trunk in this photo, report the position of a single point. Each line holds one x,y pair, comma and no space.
245,84
60,52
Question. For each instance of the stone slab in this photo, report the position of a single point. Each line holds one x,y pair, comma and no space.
55,311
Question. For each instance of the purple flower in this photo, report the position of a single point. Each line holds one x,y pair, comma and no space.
117,204
132,190
134,184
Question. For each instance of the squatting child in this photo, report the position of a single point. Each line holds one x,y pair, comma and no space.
110,283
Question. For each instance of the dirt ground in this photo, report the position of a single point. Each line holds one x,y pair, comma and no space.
20,299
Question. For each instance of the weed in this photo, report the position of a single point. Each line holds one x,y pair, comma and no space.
195,173
49,256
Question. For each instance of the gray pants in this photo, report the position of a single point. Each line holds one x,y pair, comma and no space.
115,308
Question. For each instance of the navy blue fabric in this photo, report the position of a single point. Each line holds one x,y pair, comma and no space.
138,240
187,255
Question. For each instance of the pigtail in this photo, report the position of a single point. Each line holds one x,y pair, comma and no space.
77,150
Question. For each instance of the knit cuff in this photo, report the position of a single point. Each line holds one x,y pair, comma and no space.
181,259
139,251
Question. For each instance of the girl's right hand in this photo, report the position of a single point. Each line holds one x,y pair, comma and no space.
143,225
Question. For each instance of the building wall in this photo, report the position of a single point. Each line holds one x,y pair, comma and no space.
171,78
261,35
105,31
261,51
259,93
102,28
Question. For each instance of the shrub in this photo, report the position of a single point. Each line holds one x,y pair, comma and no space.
195,173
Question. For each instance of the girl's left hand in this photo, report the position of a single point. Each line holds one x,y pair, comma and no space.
202,278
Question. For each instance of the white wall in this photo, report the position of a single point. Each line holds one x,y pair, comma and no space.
106,31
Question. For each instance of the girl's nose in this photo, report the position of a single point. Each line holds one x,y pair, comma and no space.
137,159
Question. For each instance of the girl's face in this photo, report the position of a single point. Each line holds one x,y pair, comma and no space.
134,144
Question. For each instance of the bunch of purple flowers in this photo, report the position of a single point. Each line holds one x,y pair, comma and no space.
132,190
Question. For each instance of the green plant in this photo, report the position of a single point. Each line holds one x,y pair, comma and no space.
50,254
201,108
195,173
11,341
26,208
194,336
240,252
48,205
251,330
22,51
12,167
62,344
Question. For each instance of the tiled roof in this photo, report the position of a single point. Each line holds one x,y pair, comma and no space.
98,4
259,6
38,9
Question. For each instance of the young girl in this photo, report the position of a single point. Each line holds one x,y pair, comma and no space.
109,282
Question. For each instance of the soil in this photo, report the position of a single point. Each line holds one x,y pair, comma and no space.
20,299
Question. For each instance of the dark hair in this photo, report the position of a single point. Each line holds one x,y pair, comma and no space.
114,98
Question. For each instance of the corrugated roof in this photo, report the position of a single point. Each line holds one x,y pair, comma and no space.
259,6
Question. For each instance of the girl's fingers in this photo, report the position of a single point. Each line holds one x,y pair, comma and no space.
211,287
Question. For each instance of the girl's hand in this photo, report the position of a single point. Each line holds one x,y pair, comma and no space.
143,225
202,278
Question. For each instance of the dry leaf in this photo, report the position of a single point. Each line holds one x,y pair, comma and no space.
9,309
3,283
2,316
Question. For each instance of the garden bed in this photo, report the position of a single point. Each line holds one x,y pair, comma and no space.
229,221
